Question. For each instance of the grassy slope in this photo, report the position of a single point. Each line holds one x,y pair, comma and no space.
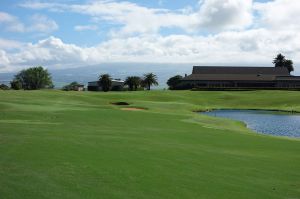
77,145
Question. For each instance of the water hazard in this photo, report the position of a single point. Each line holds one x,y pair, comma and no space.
266,122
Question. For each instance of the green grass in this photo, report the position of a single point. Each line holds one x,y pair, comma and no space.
56,144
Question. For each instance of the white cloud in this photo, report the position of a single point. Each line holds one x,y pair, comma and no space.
41,23
211,14
247,47
36,5
4,61
9,44
236,38
132,17
280,14
37,23
49,52
3,58
11,23
225,14
85,27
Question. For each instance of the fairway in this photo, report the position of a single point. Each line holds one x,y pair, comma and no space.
56,144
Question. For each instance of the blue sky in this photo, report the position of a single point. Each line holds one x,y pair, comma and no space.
67,21
73,33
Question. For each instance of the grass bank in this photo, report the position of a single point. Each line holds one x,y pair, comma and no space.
56,144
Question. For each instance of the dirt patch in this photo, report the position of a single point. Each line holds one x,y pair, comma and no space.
133,109
120,103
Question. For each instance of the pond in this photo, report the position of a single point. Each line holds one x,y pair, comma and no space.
266,122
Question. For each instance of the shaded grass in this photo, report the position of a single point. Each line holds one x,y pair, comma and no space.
78,145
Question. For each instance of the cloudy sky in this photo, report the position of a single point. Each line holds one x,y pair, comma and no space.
72,33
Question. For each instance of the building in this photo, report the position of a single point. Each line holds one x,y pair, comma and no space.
116,85
223,77
79,87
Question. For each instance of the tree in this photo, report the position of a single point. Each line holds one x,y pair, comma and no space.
16,85
149,80
173,82
4,87
71,87
289,65
105,82
281,61
133,82
33,79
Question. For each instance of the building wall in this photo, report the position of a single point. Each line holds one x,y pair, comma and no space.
239,84
80,88
288,84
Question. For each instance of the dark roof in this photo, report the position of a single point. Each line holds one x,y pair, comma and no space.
278,71
230,77
232,73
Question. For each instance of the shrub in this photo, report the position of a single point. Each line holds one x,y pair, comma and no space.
174,82
4,87
16,85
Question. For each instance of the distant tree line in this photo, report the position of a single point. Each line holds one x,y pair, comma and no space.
36,78
134,83
39,78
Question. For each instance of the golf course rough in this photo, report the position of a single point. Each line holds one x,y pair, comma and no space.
56,144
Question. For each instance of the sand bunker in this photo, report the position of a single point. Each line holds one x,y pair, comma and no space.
120,103
133,109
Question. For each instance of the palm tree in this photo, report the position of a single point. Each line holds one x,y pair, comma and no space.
133,82
281,61
149,80
105,82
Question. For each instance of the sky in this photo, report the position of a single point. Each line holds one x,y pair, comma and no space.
76,33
